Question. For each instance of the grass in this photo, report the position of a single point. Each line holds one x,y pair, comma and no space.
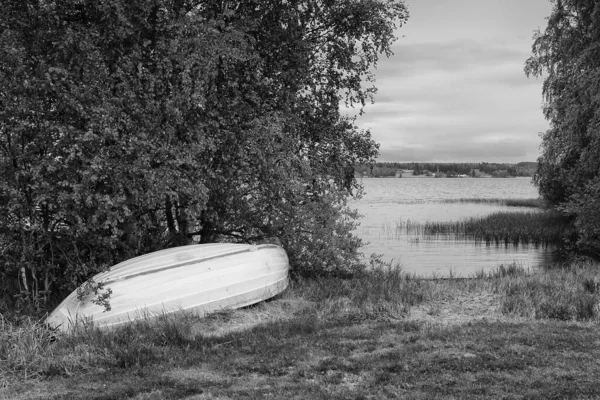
505,333
533,202
542,226
571,293
514,228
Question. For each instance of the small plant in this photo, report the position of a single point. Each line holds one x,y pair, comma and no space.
513,269
91,287
591,285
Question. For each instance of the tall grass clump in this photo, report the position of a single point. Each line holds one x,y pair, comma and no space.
566,293
502,271
382,292
28,350
408,226
397,231
22,349
532,203
537,228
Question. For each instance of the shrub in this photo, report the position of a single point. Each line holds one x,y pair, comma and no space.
131,126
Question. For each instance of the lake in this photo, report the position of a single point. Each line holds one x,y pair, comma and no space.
391,202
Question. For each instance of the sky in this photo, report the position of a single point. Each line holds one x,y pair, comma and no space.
455,90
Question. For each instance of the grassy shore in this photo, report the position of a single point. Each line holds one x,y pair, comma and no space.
508,333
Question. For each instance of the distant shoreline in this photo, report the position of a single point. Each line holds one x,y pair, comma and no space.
449,170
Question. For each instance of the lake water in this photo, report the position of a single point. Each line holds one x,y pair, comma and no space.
389,202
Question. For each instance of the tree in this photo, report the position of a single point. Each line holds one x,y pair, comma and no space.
568,173
131,126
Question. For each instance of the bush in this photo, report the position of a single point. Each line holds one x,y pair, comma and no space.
585,207
131,126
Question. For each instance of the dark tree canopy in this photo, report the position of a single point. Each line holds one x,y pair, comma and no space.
128,126
567,54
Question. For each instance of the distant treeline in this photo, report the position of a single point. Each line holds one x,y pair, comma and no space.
389,169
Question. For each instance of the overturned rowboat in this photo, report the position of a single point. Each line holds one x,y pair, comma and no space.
200,278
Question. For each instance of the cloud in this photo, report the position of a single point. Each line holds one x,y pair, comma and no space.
455,89
449,56
456,100
501,151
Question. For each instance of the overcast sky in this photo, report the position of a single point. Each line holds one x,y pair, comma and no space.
455,89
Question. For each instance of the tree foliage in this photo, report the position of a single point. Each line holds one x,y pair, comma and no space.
128,126
567,54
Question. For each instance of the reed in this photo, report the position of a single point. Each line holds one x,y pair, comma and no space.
513,269
532,202
403,227
399,228
389,232
501,228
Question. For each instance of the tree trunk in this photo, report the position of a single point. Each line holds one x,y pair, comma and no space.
170,219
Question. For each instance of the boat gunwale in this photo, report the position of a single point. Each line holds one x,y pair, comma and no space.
249,249
270,277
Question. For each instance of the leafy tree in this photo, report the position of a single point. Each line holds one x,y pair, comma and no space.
128,126
100,133
567,53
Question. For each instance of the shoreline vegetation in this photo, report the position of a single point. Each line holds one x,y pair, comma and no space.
533,202
542,226
509,332
444,170
545,227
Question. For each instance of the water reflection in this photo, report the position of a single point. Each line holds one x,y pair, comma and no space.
390,204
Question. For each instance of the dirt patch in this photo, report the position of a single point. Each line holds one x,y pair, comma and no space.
228,321
462,309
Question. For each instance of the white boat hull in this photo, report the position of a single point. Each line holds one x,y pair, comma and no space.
200,278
